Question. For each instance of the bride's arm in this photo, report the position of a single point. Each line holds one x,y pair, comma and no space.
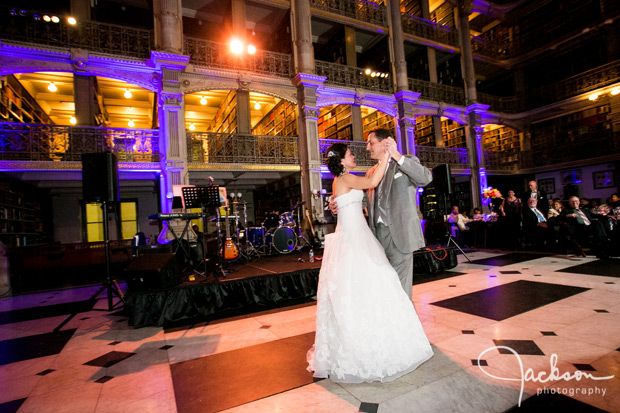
365,182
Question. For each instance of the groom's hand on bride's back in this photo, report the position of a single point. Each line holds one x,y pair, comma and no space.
333,206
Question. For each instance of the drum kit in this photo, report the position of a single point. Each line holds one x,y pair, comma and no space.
278,233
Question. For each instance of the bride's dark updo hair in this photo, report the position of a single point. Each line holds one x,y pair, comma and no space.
334,154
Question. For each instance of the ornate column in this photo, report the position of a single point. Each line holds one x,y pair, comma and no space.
475,152
397,45
80,9
406,100
168,26
309,154
172,134
302,36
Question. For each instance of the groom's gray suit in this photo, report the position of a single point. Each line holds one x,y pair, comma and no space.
396,198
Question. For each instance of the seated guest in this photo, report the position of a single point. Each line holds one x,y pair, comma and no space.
582,225
535,227
477,215
456,218
615,200
555,208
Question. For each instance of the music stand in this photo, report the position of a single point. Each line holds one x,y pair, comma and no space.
204,197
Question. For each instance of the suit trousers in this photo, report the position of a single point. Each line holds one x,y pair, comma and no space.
401,262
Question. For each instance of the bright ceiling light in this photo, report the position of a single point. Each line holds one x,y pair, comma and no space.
191,126
368,71
71,20
257,106
615,91
593,96
236,46
127,94
73,120
203,100
52,87
131,123
47,18
251,49
55,19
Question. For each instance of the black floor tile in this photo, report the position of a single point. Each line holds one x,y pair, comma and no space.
511,258
425,278
369,407
45,372
35,313
584,367
482,363
508,300
548,333
553,403
607,268
30,347
12,406
109,359
104,379
510,272
522,347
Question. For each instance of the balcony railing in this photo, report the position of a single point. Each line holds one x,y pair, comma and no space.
363,10
352,77
438,92
218,55
420,27
431,156
510,104
500,161
357,148
34,142
91,36
242,149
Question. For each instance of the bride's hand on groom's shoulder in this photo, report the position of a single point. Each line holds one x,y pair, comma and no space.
333,206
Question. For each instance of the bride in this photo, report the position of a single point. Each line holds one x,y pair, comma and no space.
366,326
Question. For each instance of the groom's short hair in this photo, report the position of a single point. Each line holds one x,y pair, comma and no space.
381,134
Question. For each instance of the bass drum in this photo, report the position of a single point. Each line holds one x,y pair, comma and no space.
282,239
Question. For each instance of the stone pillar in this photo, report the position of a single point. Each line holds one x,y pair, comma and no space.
357,127
406,100
168,26
80,9
172,133
349,43
243,112
467,59
238,18
309,155
85,98
397,45
475,152
302,36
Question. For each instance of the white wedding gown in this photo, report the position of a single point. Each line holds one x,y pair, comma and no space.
366,326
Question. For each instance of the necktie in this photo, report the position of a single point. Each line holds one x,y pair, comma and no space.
583,217
539,215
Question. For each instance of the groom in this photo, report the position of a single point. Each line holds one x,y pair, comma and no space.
392,209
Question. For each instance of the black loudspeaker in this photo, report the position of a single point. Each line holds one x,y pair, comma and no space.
100,177
442,179
153,272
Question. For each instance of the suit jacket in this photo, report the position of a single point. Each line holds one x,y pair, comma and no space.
400,189
530,220
577,221
542,203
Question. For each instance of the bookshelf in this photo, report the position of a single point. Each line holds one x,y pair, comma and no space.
280,121
22,214
424,131
453,134
412,7
377,119
502,139
443,15
335,123
225,120
17,105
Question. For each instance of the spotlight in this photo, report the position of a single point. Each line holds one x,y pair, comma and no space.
36,17
22,12
615,91
235,46
593,96
73,120
368,71
131,123
47,18
373,74
52,87
13,12
71,20
239,194
55,19
257,106
203,100
191,126
127,94
251,49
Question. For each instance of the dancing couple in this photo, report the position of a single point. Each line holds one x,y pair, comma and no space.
366,325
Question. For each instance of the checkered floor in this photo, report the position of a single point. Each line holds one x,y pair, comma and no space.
488,321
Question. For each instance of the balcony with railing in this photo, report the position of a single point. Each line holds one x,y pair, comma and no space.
419,27
34,142
364,10
88,35
218,55
351,77
438,92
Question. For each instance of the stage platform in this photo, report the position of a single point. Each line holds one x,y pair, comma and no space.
264,283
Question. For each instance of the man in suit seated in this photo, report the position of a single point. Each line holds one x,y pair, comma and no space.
535,227
542,204
583,225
